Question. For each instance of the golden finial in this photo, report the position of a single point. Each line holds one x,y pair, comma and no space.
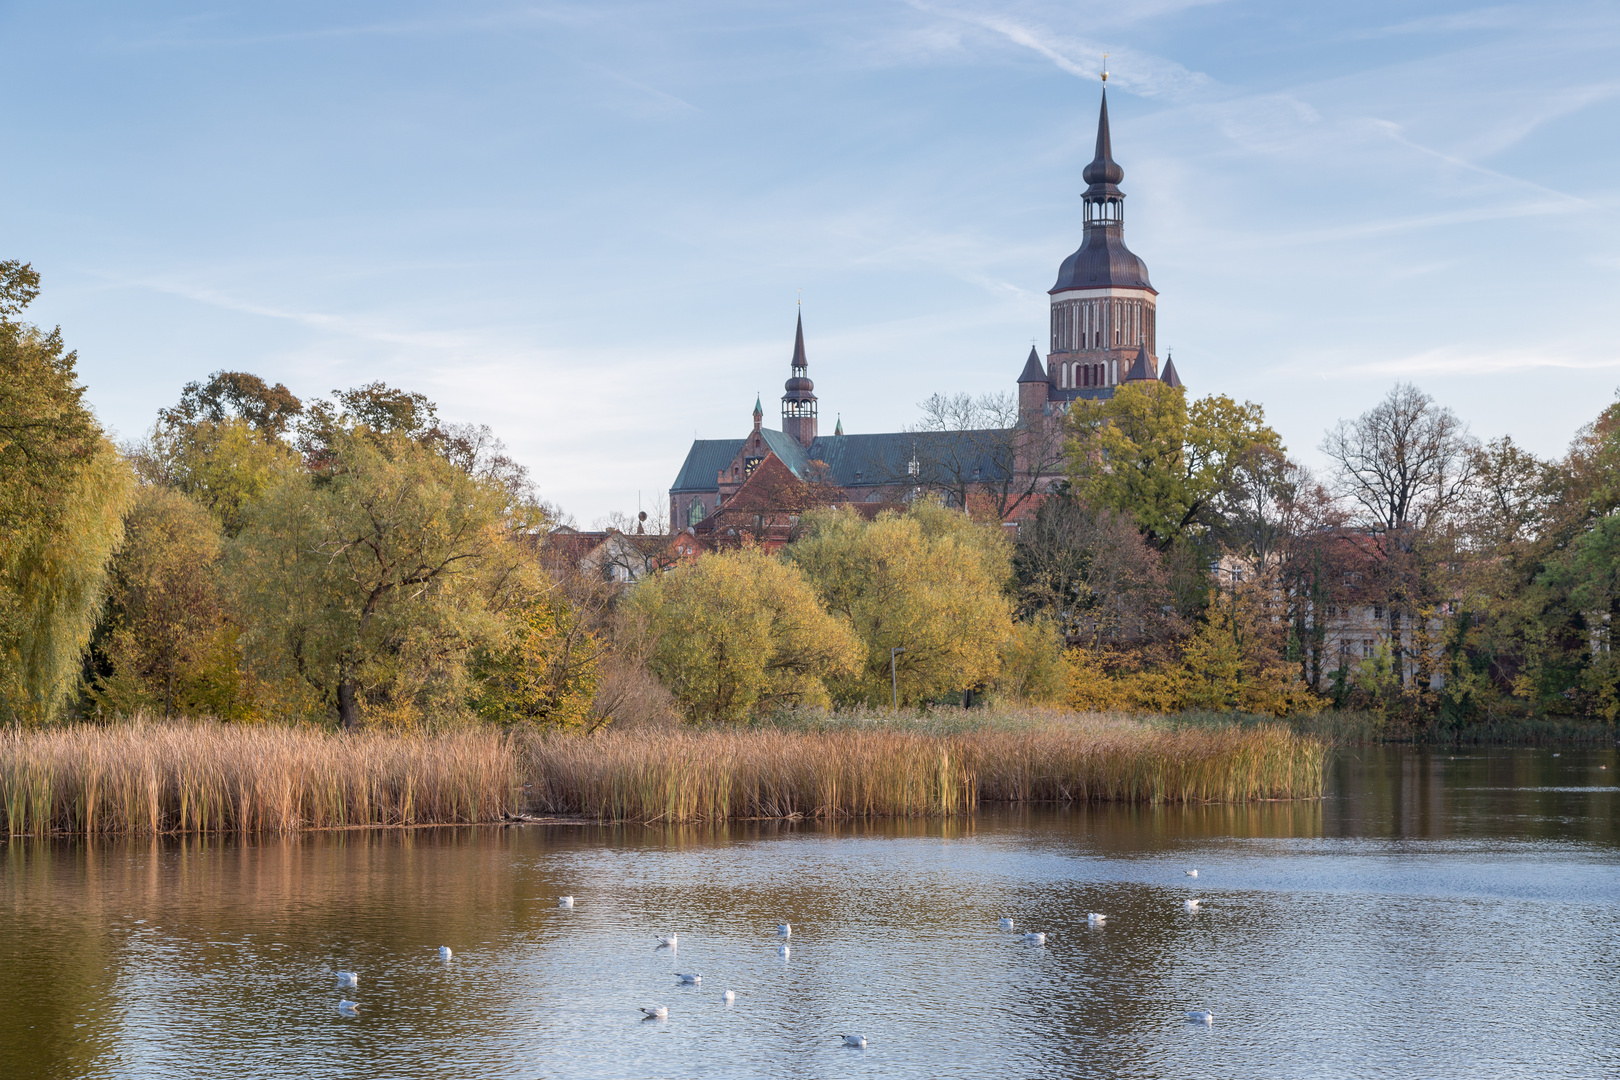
1105,67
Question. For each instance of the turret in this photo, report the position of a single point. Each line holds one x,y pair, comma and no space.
799,402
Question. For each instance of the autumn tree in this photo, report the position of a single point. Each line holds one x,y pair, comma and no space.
167,645
543,672
738,631
63,493
1092,573
931,581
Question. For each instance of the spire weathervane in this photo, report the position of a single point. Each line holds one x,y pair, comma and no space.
1105,67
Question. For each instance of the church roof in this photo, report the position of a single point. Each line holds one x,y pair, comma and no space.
1103,260
852,461
1141,367
1033,371
1169,376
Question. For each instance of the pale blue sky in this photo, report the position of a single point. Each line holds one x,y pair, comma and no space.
586,224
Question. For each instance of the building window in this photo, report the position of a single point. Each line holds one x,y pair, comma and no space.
1378,611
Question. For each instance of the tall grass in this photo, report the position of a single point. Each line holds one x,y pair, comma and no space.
172,778
165,778
848,772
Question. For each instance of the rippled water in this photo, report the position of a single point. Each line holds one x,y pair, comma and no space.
1435,916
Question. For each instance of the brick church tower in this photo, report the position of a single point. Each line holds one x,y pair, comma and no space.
1104,309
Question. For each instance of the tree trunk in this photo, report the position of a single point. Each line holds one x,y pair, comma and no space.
348,704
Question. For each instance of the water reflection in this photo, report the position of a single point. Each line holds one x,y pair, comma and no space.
1436,915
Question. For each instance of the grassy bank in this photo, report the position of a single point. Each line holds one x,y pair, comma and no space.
158,778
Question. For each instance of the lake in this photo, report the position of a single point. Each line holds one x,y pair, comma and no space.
1436,915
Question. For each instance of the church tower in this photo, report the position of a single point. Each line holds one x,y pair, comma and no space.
1103,306
799,403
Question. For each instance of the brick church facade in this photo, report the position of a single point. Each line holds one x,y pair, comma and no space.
1103,334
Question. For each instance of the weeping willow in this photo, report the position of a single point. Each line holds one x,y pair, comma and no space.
56,577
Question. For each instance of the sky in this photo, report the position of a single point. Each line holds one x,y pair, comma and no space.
589,225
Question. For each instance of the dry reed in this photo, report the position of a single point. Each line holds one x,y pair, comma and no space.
165,778
173,778
710,775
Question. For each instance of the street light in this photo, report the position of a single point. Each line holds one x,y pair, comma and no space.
894,679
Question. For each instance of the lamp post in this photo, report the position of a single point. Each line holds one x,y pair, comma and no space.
894,677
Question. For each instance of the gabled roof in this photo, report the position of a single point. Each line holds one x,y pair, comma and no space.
1033,371
704,462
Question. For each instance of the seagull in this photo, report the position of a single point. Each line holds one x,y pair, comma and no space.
689,980
1190,873
1191,905
784,929
666,942
445,953
729,996
348,978
348,1008
1096,919
1006,924
1033,938
565,901
857,1041
783,951
657,1012
1200,1018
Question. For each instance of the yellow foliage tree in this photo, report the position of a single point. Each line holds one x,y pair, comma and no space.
737,631
544,674
931,581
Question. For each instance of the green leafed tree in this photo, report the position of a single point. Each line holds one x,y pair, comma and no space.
363,590
738,631
63,493
1146,452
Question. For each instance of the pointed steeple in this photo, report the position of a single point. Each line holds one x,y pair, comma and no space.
759,412
1169,376
1104,173
1033,371
799,402
799,361
1141,367
838,428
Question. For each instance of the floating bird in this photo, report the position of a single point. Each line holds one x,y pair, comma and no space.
729,996
565,901
783,951
857,1041
657,1012
1096,918
1190,873
349,1008
666,942
1191,905
1555,755
1200,1018
1034,938
1006,924
445,953
348,978
689,980
784,929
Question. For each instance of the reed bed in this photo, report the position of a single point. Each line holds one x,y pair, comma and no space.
715,775
170,778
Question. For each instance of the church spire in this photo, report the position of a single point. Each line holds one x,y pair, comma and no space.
1104,201
799,402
